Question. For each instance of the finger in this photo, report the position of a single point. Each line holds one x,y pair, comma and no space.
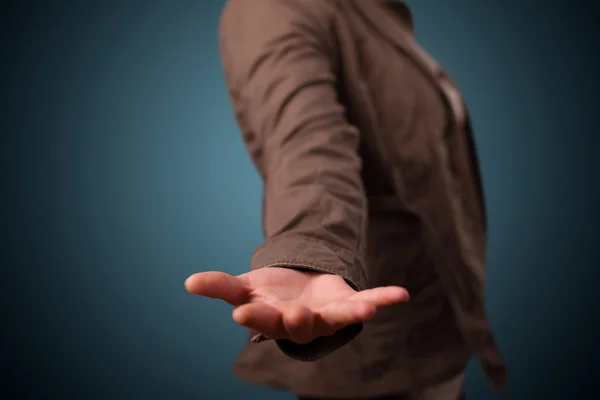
383,296
298,322
339,314
261,317
218,285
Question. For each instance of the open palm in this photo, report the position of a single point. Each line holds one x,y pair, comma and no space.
284,303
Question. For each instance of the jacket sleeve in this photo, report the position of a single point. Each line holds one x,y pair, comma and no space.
279,62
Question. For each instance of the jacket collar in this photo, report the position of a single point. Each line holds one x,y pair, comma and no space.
384,16
401,10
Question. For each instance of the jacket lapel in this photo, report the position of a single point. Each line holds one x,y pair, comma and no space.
380,15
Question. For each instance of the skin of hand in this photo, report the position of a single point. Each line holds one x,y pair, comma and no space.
286,303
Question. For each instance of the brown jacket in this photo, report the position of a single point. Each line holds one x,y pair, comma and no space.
370,173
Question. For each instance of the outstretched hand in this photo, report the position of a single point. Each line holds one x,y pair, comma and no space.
284,303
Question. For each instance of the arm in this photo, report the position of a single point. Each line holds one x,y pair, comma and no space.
278,58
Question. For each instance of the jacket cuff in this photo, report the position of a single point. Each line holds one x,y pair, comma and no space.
316,255
313,255
321,346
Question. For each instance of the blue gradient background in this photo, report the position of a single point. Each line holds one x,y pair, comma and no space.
124,173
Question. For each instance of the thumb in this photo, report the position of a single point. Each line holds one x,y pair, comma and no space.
218,285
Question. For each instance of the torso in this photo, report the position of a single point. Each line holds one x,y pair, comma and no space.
406,346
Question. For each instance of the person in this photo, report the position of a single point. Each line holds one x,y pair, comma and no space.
371,191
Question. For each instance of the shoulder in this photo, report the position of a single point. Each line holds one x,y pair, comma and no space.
237,15
250,31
